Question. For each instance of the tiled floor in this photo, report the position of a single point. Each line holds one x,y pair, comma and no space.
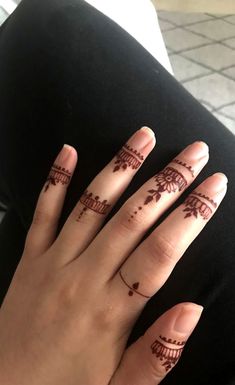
201,48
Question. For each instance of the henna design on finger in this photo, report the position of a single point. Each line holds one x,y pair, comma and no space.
133,288
189,168
169,180
92,202
173,342
195,205
128,157
169,355
57,174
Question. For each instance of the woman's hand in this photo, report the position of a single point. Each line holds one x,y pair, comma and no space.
75,298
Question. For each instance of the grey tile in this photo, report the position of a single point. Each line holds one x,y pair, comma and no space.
230,72
228,111
180,18
165,25
218,15
231,19
214,29
229,123
215,89
215,56
185,69
179,39
230,42
206,105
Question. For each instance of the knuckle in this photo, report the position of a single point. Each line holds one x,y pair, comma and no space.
106,317
42,216
129,221
163,250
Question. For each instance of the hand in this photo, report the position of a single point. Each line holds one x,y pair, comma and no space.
75,297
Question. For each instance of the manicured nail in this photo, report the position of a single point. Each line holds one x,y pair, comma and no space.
187,318
196,151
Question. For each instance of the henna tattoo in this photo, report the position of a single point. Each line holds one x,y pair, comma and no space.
92,202
128,157
195,205
173,342
57,174
189,168
133,288
169,180
169,355
205,197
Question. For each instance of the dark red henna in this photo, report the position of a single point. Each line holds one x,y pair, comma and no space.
128,157
168,355
189,168
57,174
173,342
195,205
205,197
92,202
169,180
133,288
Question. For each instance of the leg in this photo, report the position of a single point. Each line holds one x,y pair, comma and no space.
74,76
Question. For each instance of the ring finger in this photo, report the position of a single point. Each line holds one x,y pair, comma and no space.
149,266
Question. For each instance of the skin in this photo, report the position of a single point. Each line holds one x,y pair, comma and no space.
75,296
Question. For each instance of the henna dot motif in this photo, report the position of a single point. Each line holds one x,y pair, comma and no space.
128,157
93,203
57,174
183,164
169,355
169,180
132,289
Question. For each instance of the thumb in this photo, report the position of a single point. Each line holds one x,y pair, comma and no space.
152,356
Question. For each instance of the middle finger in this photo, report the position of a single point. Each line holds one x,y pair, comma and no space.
125,230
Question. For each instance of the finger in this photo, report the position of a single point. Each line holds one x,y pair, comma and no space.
125,230
42,231
155,354
103,192
149,266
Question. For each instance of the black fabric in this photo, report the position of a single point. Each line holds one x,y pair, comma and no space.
69,74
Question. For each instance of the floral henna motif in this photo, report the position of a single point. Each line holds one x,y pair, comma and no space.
128,157
195,205
133,288
189,168
57,174
169,180
168,355
92,202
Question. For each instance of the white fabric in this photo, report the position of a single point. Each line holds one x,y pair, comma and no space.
139,19
8,5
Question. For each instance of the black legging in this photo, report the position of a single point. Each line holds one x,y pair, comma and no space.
69,74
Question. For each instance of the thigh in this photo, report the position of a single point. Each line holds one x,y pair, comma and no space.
71,75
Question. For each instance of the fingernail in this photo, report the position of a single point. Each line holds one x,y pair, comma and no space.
196,151
216,182
187,318
64,154
142,138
